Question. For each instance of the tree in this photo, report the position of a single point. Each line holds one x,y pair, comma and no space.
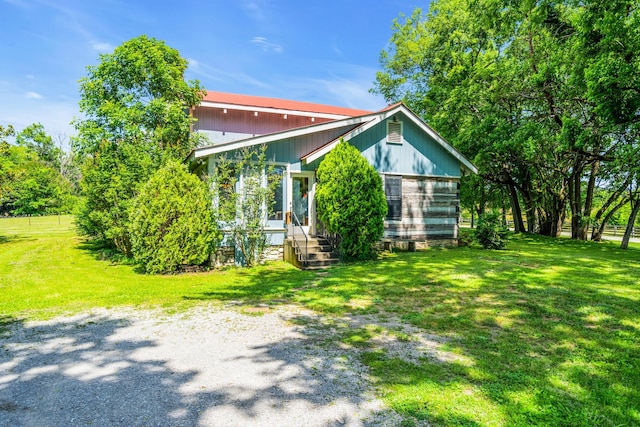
519,87
135,104
634,197
35,138
350,200
41,190
244,187
172,224
6,172
110,181
29,185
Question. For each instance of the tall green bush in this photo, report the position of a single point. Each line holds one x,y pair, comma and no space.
350,200
172,223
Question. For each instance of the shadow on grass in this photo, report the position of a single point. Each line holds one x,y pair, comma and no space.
102,252
6,322
272,284
13,238
104,370
548,331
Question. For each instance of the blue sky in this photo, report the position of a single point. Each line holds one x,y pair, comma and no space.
317,51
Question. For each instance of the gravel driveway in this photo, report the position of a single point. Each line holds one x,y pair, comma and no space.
205,367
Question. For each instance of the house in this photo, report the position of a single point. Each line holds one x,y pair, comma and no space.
420,170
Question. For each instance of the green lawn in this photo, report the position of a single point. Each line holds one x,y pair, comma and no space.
544,333
46,270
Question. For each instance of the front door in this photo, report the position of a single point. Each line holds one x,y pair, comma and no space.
302,186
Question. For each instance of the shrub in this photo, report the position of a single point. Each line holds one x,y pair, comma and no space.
350,200
244,209
491,233
172,223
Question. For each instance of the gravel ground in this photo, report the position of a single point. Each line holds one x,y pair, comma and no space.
205,367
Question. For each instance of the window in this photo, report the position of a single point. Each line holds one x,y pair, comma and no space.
393,191
278,194
228,183
394,131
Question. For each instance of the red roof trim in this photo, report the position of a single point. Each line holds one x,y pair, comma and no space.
280,104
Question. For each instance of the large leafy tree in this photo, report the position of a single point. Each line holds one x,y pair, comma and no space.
529,90
350,200
135,104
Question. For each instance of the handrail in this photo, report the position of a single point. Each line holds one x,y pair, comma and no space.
296,223
334,239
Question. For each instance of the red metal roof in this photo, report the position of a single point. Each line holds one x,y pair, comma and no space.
280,104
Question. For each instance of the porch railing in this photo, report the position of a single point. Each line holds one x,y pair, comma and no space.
334,239
296,233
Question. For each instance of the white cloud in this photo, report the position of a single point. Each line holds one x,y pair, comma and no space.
253,9
347,88
102,47
20,110
229,77
266,46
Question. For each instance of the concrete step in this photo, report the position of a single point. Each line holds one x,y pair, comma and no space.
320,255
316,251
320,264
315,248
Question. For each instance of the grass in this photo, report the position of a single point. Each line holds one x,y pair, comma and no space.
47,270
546,332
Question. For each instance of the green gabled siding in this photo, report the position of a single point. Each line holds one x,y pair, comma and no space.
292,149
417,155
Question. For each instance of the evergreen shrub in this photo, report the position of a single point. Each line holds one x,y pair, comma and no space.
172,223
350,200
491,233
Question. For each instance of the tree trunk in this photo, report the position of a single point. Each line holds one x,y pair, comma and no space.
596,234
518,225
575,203
551,221
588,199
635,206
580,219
600,218
530,212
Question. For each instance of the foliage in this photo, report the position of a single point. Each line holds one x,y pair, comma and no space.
544,333
350,200
110,180
29,185
7,175
491,232
541,95
35,138
172,223
244,187
134,104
